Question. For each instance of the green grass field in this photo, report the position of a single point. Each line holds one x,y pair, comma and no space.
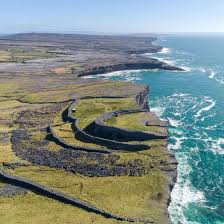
133,196
88,109
128,196
136,121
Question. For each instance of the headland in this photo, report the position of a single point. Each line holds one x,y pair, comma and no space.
78,146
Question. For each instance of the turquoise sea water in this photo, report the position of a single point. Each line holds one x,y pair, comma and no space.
193,102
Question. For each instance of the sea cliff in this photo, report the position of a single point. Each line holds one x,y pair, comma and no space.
77,146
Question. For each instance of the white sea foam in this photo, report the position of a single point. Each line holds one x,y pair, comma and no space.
165,50
212,127
212,75
202,69
133,78
158,111
177,114
206,108
89,77
182,196
168,60
209,116
215,76
120,73
174,123
184,53
220,80
148,54
186,68
177,138
176,131
208,71
177,144
180,94
215,145
183,193
165,60
189,194
218,146
125,73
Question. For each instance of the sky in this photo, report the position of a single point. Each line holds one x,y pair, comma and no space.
112,16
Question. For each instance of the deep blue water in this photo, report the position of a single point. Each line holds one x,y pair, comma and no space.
193,102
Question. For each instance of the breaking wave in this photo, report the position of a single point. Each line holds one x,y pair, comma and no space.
212,73
165,60
186,114
165,50
196,128
218,146
126,75
206,108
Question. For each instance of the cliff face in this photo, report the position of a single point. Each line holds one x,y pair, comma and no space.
35,95
151,64
142,98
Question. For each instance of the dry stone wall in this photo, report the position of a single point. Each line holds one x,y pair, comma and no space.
46,191
99,128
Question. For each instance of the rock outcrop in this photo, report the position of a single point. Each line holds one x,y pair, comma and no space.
149,64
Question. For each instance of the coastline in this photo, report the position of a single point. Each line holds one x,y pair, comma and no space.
150,64
153,64
52,97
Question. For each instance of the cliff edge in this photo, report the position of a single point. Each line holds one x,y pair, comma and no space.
78,146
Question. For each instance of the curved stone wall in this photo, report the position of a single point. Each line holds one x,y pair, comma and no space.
84,136
110,136
48,192
72,106
100,129
111,144
63,143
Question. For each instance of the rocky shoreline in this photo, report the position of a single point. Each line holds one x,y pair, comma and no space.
40,102
151,64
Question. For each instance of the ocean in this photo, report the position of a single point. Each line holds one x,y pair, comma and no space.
193,103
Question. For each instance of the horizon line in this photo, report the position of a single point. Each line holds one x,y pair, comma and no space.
110,33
